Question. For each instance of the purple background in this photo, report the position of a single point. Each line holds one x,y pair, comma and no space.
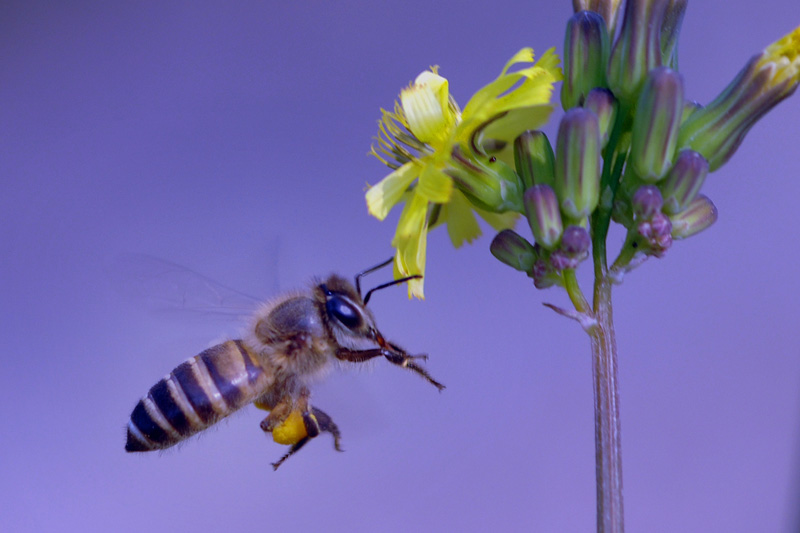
217,137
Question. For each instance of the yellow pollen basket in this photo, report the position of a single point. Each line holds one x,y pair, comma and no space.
291,431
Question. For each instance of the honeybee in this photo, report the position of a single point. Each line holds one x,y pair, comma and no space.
289,341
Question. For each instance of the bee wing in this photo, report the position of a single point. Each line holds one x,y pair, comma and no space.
162,286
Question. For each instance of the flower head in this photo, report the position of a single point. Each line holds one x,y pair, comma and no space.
448,164
717,130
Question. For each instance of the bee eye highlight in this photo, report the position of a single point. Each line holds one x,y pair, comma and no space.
342,311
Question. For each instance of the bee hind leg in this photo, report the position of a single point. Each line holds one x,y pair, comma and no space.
294,449
325,423
315,422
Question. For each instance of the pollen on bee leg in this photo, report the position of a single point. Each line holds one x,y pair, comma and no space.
291,431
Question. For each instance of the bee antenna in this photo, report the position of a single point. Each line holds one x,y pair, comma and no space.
368,271
389,284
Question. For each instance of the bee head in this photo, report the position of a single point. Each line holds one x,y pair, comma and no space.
345,309
347,315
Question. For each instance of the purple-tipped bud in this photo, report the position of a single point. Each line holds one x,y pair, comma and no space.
697,216
543,274
608,9
576,241
541,208
683,182
637,50
578,163
585,57
513,250
534,159
603,104
574,249
646,202
656,124
670,28
658,233
562,261
717,130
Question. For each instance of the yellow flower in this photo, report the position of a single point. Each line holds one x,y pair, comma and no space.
418,140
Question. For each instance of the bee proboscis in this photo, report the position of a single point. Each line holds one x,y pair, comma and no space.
290,340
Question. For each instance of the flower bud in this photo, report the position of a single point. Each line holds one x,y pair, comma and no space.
636,51
607,9
683,182
576,241
487,182
646,202
656,124
543,274
670,28
513,250
658,233
574,249
585,57
717,130
541,208
578,163
603,104
697,216
534,158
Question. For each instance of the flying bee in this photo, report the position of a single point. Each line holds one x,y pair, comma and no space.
289,341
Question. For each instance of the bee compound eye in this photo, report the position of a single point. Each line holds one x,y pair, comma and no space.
342,311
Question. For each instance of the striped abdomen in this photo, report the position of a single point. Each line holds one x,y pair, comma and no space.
195,395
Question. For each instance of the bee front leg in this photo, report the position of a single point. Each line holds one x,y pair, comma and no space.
407,361
394,354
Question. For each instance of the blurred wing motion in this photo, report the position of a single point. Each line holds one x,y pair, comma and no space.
164,287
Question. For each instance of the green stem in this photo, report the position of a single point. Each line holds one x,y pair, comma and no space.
608,450
607,439
574,291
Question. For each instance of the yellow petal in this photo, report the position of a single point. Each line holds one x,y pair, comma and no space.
434,185
387,192
499,221
535,88
410,240
413,218
291,431
784,54
461,224
506,127
425,105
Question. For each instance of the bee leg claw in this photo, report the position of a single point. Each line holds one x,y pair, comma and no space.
294,449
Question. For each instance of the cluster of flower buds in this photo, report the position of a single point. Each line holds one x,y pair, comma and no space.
630,143
555,202
630,146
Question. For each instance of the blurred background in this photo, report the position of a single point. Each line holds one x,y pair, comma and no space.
231,139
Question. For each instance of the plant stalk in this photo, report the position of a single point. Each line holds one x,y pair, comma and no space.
608,450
